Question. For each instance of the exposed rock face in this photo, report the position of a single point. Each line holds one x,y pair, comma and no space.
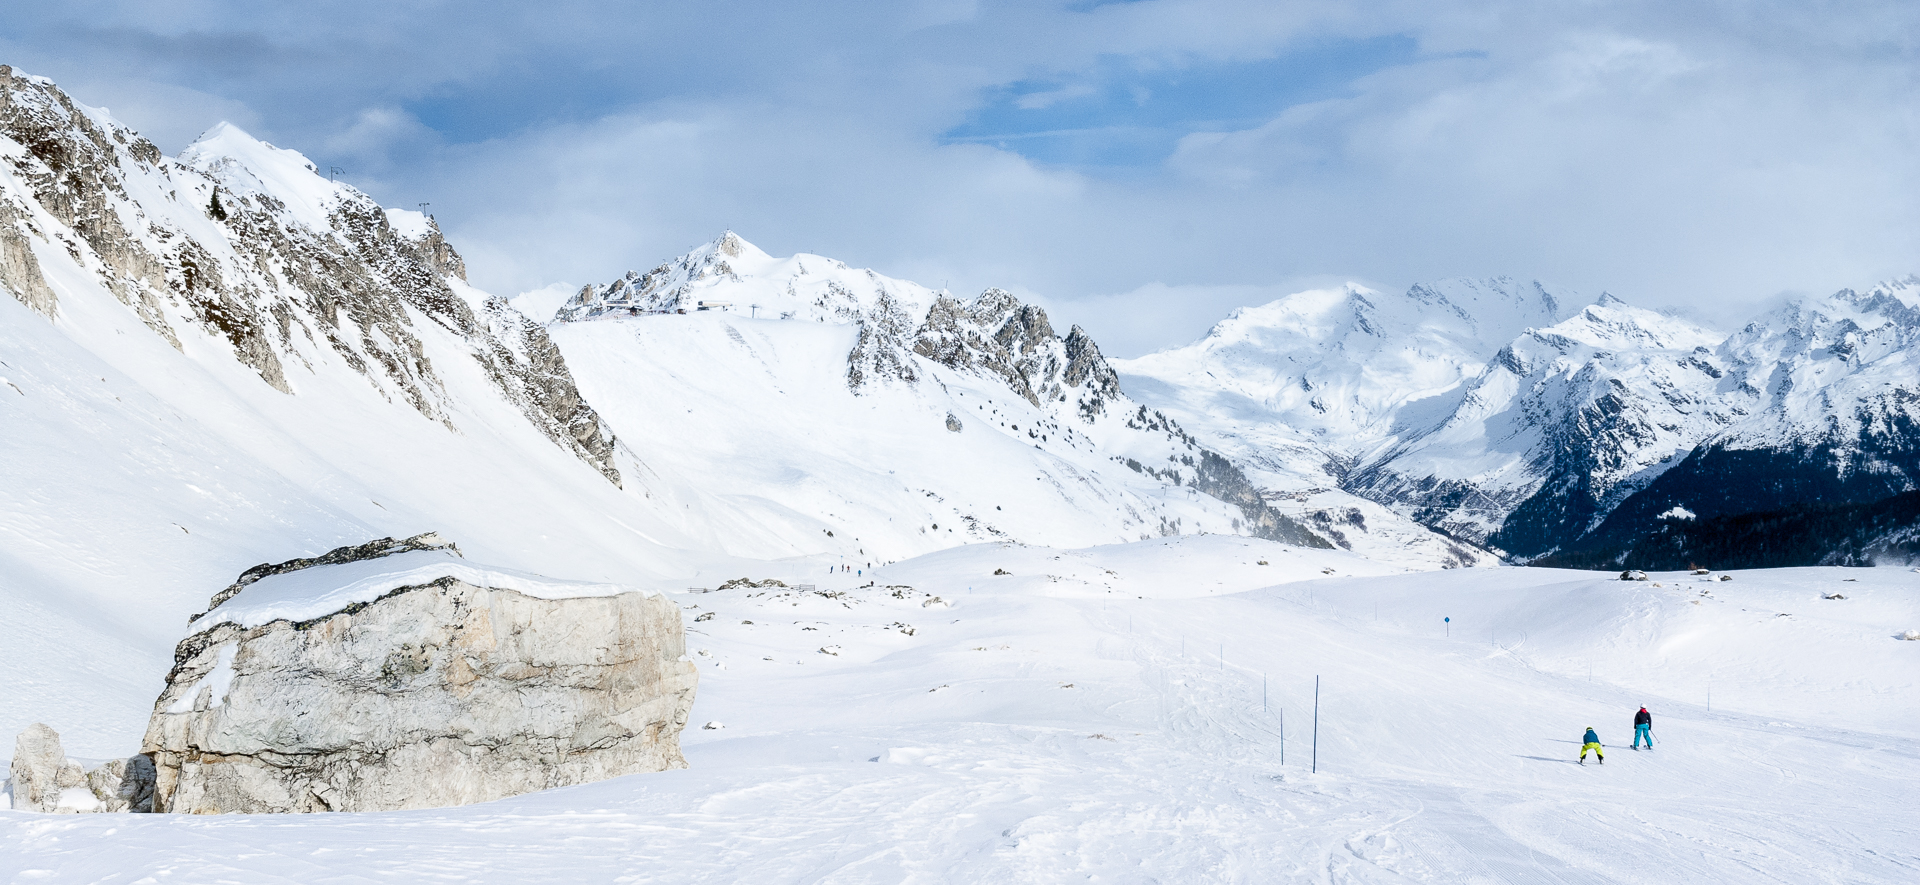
289,264
19,270
444,693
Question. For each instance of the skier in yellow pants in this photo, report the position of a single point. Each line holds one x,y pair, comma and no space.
1591,742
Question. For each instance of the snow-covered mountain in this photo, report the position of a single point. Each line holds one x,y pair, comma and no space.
220,358
1563,430
1307,389
912,418
1823,398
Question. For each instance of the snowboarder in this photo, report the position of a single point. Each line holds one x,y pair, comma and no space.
1643,728
1591,742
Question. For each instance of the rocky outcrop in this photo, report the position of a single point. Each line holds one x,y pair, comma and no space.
43,779
881,350
996,335
437,692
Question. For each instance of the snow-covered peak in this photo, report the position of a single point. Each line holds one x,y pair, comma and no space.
731,274
1612,324
1860,327
246,165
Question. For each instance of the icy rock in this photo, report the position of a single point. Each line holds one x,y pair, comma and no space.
1726,577
439,694
1911,635
1633,575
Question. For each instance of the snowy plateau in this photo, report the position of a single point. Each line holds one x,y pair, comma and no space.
1243,611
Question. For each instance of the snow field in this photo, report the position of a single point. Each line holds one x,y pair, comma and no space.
1039,730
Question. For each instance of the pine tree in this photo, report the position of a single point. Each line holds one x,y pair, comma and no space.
214,208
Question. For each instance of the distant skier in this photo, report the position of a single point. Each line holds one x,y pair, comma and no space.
1643,728
1591,742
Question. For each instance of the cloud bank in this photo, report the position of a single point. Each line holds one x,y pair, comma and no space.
1138,167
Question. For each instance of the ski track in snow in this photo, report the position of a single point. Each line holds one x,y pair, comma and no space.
1023,737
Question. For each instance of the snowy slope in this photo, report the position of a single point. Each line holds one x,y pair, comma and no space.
1116,714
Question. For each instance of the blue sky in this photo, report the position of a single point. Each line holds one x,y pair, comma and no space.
1140,168
1126,113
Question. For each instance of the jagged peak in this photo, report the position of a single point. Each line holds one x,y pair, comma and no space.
993,302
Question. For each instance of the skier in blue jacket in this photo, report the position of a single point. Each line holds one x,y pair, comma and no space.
1591,742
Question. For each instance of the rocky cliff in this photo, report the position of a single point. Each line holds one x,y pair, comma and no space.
396,675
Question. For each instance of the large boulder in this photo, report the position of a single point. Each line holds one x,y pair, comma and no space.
397,675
